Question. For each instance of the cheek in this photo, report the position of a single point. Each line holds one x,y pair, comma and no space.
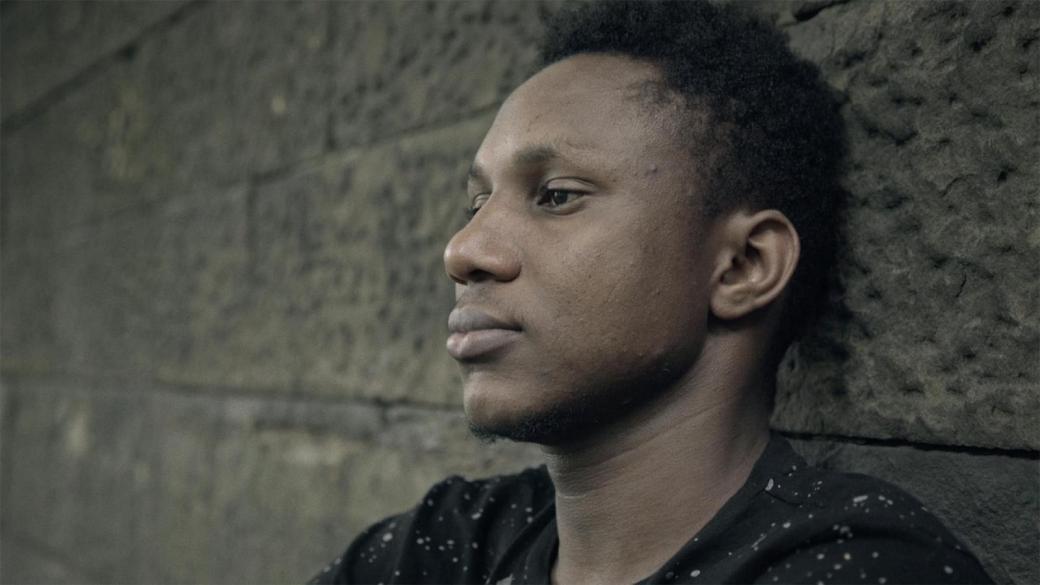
626,300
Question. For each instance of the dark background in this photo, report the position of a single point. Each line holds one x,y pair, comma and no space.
223,303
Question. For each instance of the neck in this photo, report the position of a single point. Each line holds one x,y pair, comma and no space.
628,498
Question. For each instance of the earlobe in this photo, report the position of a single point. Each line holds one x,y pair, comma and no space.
759,255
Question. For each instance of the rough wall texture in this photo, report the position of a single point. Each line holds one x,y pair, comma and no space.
223,302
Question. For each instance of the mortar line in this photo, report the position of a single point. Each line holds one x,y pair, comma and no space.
59,91
261,178
341,151
1016,453
426,127
223,393
816,12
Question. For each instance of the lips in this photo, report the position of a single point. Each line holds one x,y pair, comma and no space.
475,333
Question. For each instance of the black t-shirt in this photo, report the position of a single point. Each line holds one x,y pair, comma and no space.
789,523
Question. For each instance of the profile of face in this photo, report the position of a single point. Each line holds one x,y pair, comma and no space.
582,278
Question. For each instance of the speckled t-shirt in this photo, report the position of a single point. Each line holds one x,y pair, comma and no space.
789,523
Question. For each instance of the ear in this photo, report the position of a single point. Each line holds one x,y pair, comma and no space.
757,258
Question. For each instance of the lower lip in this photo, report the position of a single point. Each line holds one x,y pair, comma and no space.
468,345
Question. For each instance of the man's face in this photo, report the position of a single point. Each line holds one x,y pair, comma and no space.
582,280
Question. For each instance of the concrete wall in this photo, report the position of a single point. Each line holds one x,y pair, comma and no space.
223,302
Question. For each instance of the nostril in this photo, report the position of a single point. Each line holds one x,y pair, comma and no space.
478,275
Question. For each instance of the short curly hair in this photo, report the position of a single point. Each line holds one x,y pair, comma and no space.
776,136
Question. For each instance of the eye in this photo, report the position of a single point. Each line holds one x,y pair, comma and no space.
475,206
554,198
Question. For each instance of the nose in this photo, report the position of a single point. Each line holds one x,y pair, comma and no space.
480,251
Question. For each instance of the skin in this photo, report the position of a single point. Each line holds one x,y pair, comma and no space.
643,325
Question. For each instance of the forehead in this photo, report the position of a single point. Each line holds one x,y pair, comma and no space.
591,105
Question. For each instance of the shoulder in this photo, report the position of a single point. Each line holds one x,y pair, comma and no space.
840,527
455,532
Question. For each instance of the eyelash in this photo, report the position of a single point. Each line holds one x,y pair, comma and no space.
544,196
471,211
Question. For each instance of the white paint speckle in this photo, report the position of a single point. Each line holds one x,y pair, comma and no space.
769,484
859,499
786,524
695,573
388,537
947,569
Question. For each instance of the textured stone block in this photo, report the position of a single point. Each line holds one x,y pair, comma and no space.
330,279
326,280
936,334
221,325
28,336
237,88
149,485
402,65
229,90
48,43
990,501
23,564
92,302
73,478
60,170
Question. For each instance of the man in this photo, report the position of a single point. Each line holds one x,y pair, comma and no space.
652,217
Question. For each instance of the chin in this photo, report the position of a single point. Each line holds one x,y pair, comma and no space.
501,413
556,412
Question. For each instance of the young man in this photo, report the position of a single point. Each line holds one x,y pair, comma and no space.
653,216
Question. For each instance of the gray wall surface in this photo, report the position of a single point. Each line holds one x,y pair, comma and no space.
223,302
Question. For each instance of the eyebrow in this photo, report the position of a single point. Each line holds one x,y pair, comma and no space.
528,156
